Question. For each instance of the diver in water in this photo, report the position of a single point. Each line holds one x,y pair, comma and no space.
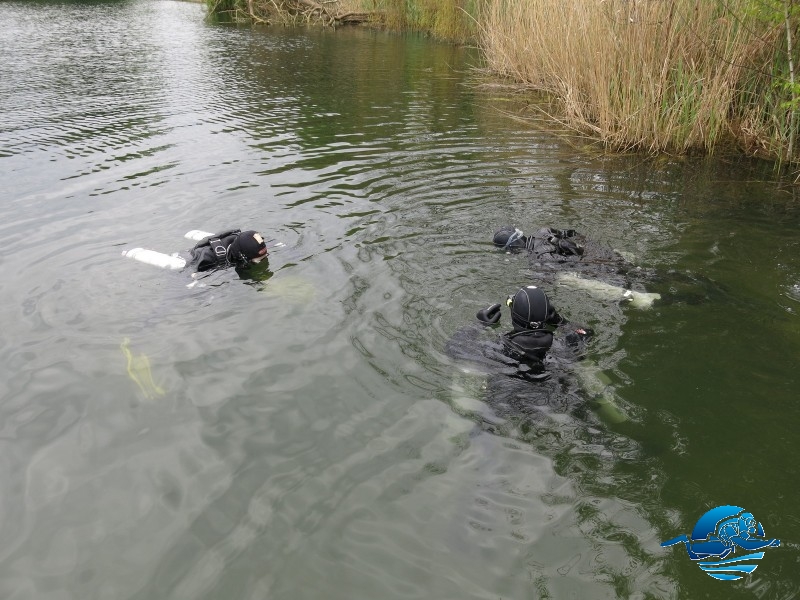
242,250
537,375
565,258
234,248
534,381
562,249
545,242
521,352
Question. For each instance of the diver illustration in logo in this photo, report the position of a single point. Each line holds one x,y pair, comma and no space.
717,534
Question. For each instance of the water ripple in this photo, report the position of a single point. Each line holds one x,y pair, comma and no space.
301,431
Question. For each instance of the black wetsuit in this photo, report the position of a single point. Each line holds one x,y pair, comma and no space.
213,252
528,355
519,365
537,399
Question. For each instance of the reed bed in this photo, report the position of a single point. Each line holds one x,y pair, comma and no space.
657,75
675,76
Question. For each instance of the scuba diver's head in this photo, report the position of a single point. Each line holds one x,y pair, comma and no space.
509,238
248,247
530,308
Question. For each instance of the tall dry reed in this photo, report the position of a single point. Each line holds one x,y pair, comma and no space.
659,75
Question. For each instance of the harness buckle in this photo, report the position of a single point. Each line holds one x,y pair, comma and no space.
219,249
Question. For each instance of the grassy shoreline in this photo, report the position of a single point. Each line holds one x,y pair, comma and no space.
658,76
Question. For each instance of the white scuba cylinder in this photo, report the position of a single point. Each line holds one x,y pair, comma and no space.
165,261
197,235
158,259
606,291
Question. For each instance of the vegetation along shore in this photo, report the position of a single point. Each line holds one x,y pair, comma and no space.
675,76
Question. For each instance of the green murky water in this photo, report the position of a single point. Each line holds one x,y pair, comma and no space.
302,433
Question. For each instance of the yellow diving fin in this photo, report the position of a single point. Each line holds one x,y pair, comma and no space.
139,372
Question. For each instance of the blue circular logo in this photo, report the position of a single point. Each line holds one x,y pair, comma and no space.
717,535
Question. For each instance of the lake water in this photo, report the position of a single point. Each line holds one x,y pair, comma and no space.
301,432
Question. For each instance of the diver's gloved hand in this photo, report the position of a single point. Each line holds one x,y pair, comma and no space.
489,315
578,336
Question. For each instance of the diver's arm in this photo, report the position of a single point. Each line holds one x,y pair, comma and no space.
489,315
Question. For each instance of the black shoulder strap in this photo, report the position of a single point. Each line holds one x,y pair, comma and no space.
217,236
219,249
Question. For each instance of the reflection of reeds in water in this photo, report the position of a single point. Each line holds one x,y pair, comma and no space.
445,19
676,76
293,12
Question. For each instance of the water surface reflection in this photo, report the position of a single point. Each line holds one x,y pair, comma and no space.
303,434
